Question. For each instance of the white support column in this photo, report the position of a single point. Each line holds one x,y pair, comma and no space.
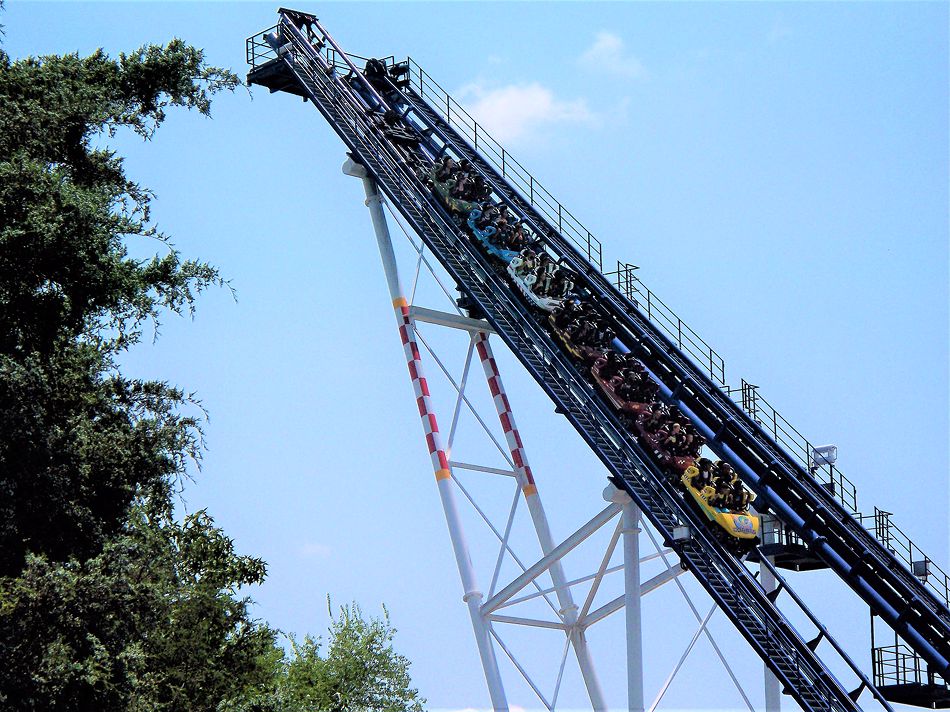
632,594
568,611
471,593
773,691
557,553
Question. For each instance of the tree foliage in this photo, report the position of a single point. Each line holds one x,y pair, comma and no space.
79,441
360,672
150,623
108,601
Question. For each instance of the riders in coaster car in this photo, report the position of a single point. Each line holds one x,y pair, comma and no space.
445,168
554,280
572,333
444,188
561,284
704,474
515,237
523,271
655,431
484,235
394,130
376,74
610,382
481,192
737,523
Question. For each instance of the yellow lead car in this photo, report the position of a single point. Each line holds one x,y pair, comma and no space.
740,529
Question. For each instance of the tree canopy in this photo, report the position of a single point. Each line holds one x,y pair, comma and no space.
359,672
80,441
108,600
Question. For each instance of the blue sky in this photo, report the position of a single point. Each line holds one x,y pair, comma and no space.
778,171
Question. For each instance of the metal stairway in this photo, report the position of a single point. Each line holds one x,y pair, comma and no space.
871,569
918,570
302,69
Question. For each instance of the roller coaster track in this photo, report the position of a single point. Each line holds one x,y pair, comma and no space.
533,199
837,537
354,110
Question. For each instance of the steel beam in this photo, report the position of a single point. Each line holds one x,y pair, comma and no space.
773,691
632,597
568,610
453,321
557,553
471,593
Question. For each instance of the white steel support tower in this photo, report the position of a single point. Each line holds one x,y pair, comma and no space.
621,517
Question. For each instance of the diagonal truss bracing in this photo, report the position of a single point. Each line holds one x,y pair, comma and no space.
309,63
565,615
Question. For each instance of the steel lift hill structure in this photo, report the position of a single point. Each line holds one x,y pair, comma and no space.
395,121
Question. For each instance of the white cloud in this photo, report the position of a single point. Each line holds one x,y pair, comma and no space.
609,55
314,551
516,112
780,31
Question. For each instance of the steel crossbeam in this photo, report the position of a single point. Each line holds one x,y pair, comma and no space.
349,106
851,551
569,619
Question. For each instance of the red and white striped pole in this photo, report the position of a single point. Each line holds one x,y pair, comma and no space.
440,465
538,517
507,418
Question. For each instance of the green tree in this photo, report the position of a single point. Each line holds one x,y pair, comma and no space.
107,602
150,623
80,442
360,672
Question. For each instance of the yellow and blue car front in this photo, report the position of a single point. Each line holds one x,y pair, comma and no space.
739,525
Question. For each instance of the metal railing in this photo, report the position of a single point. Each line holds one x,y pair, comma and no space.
494,153
774,531
899,665
879,524
796,444
899,544
337,62
823,634
258,51
686,339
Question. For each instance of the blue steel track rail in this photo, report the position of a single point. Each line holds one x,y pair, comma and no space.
725,578
306,72
689,342
792,492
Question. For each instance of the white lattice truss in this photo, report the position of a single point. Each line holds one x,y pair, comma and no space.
531,584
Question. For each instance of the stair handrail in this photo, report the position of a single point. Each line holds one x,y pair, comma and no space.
657,311
823,633
943,589
496,154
